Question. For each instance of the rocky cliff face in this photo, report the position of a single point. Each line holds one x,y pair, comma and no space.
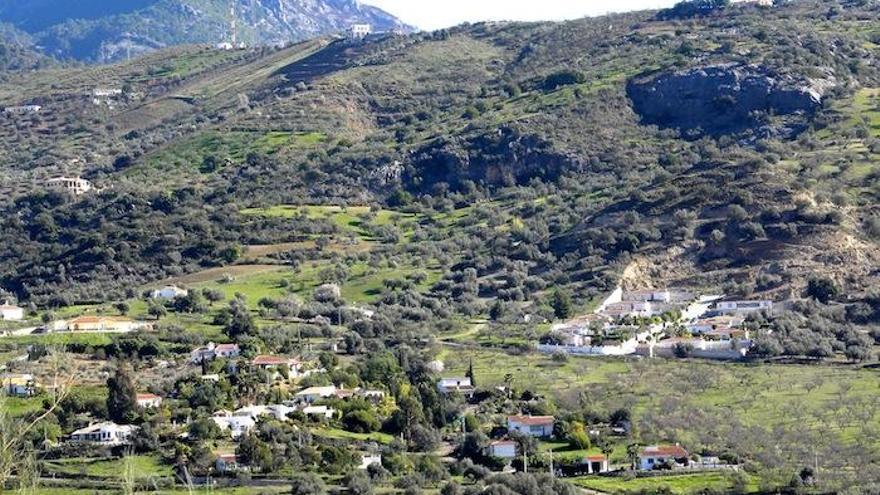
94,30
727,99
503,158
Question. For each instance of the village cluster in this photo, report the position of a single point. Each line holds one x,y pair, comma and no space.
644,317
660,323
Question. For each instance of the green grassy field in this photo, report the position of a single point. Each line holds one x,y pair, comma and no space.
679,485
814,398
143,467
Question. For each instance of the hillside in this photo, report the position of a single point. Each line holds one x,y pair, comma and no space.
536,123
94,30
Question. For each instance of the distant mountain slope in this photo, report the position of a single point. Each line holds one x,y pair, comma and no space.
96,30
17,51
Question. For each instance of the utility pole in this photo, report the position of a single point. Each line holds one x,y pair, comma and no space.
552,471
525,462
232,24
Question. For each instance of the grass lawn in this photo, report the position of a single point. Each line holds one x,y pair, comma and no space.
378,437
679,485
275,490
143,466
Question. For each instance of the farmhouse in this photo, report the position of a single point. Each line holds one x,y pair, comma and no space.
214,351
460,385
101,324
149,401
502,449
597,464
169,292
236,425
105,434
322,411
73,185
534,426
359,31
9,312
18,384
275,364
368,460
655,456
228,463
23,109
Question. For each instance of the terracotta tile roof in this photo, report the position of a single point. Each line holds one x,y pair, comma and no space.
225,347
531,420
272,360
147,397
675,451
596,458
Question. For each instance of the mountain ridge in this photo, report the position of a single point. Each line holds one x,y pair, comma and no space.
88,31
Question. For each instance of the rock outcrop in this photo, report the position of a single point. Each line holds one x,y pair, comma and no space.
727,99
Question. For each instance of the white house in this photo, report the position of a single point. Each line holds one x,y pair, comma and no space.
104,434
228,463
149,401
502,449
23,109
214,351
368,460
9,312
314,394
654,456
597,464
534,426
107,92
236,425
18,384
321,411
455,385
169,292
359,31
73,185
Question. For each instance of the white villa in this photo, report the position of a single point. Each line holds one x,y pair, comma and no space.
455,385
534,426
104,433
149,401
235,425
169,292
214,351
23,109
359,31
743,306
73,185
654,456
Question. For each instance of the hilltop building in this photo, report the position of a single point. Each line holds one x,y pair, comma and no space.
359,31
73,185
23,109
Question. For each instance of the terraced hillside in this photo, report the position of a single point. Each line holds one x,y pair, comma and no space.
495,111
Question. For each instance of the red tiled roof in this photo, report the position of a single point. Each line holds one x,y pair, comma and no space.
271,360
596,458
147,396
532,420
676,451
225,347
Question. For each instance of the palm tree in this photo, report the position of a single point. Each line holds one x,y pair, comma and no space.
632,455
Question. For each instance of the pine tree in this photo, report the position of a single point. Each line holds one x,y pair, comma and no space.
122,396
470,373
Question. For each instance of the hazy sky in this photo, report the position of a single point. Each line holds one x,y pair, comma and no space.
436,14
